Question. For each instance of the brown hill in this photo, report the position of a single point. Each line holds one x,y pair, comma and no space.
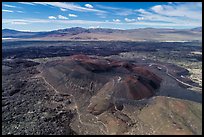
102,81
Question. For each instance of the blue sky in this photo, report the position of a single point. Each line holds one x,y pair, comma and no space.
46,16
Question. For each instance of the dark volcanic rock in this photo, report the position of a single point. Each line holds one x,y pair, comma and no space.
25,109
113,79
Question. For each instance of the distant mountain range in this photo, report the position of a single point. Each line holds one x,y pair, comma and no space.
97,34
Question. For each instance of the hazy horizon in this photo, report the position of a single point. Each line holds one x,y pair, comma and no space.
98,28
49,16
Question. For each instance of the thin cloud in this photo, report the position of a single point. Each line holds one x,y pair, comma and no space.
129,20
117,11
72,15
19,11
70,6
107,7
94,27
62,17
28,21
179,13
18,23
52,17
7,10
10,6
27,3
142,11
140,18
157,8
188,10
88,5
116,20
64,6
63,9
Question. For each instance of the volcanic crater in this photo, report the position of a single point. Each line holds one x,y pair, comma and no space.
98,83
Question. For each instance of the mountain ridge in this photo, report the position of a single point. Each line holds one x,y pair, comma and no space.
79,33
